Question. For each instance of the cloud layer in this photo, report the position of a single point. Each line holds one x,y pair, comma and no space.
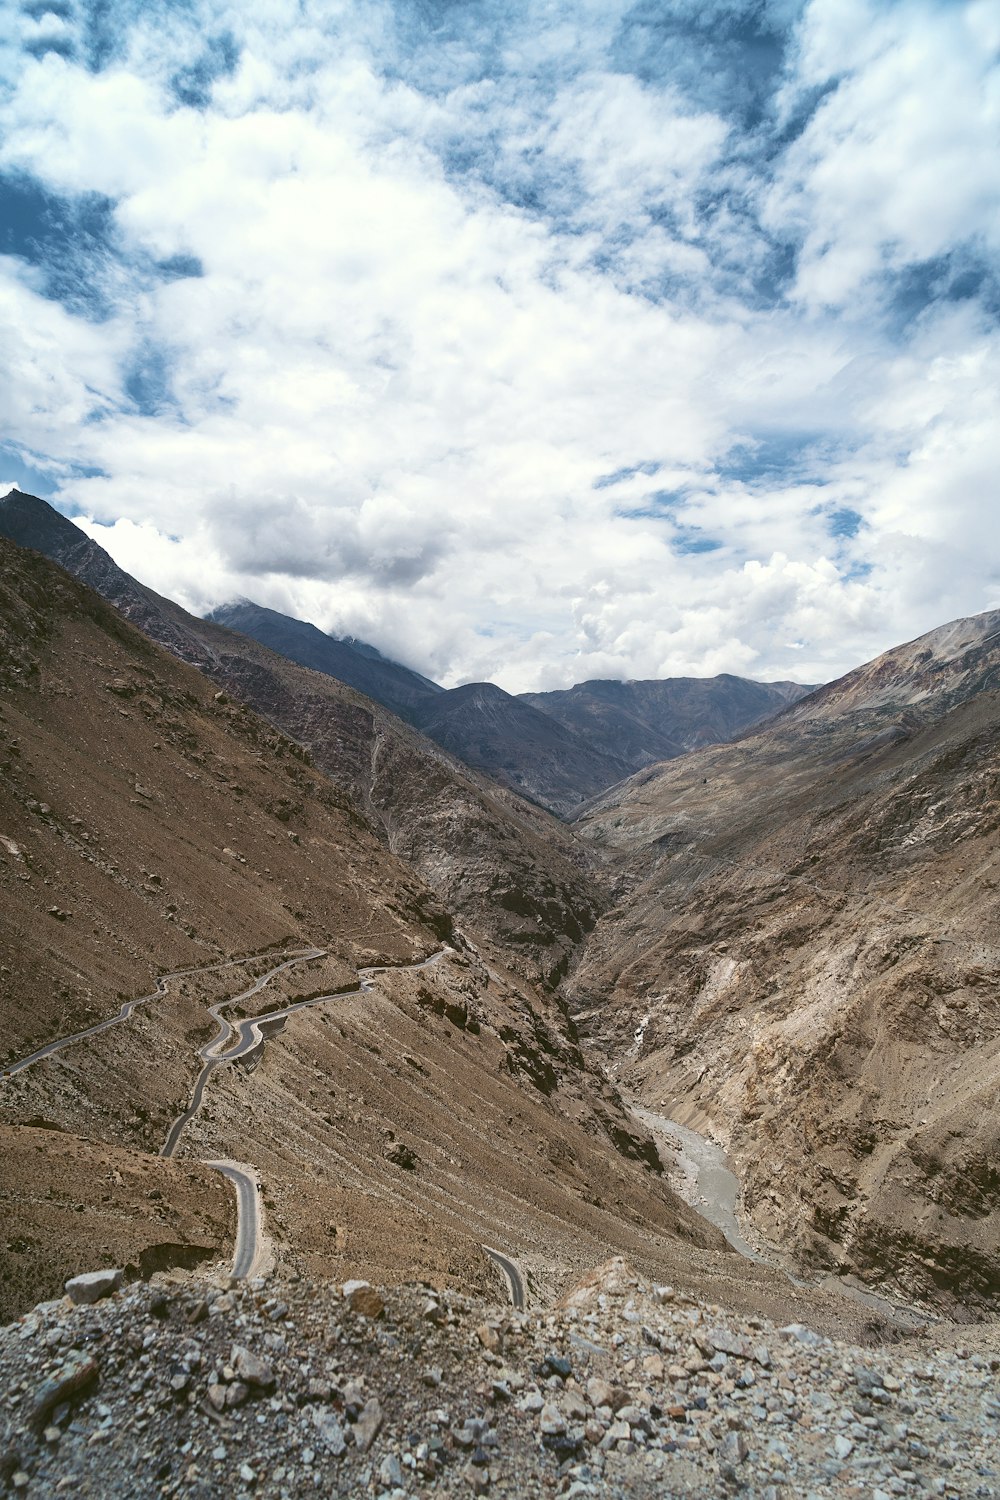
533,344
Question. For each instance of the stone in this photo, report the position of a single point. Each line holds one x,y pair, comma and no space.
217,1395
364,1299
77,1376
390,1472
330,1431
574,1407
93,1285
652,1366
551,1421
724,1342
489,1337
251,1369
800,1334
367,1427
734,1447
600,1392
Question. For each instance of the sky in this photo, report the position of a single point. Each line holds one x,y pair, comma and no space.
532,342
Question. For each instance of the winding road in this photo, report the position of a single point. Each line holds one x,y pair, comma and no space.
249,1250
512,1275
245,1039
162,984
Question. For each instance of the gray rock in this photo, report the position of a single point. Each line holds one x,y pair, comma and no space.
367,1426
254,1371
390,1472
735,1448
330,1431
551,1422
93,1285
724,1342
801,1335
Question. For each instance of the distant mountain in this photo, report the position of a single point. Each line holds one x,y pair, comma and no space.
529,751
349,660
488,729
560,749
557,749
656,720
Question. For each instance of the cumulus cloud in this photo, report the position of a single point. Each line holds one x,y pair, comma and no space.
518,345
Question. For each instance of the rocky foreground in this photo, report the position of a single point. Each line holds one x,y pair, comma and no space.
184,1386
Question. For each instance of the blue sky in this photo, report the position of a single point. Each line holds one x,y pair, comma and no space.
535,342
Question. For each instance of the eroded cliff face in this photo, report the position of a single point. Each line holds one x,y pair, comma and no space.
804,951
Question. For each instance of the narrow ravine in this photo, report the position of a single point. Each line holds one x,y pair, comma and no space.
700,1173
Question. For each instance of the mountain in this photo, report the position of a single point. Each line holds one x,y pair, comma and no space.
524,749
478,723
351,661
657,720
803,958
559,748
163,843
508,870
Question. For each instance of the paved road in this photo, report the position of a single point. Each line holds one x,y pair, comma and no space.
162,985
249,1035
246,1039
249,1230
512,1274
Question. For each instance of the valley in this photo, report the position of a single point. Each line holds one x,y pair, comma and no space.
293,995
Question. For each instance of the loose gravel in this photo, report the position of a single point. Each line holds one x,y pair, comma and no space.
187,1387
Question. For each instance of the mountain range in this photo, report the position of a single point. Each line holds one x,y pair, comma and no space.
784,942
559,748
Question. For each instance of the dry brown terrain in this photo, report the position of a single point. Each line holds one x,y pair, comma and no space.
499,864
67,1203
804,954
152,825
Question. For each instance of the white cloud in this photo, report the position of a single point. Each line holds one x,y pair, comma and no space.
386,401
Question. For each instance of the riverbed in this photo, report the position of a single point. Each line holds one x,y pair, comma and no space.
698,1170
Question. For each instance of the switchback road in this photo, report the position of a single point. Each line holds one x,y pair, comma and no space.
246,1038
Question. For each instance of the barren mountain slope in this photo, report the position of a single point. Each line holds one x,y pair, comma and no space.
500,864
657,720
150,825
352,662
479,723
524,749
806,941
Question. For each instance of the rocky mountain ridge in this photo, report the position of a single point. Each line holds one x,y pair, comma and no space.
659,720
558,749
506,868
802,960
